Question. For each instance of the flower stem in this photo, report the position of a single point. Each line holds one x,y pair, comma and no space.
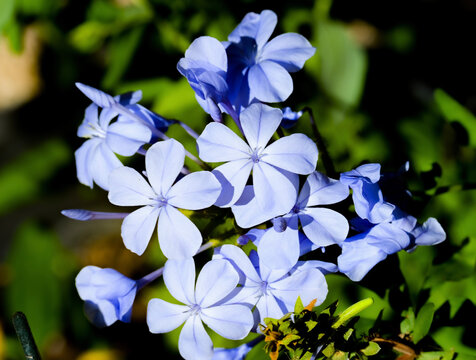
324,154
22,328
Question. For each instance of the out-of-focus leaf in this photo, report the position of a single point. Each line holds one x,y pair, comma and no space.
343,64
151,88
172,39
6,12
90,35
372,349
449,337
415,268
21,180
454,111
408,323
122,49
436,355
38,7
423,322
13,32
37,264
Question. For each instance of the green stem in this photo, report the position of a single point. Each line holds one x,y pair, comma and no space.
351,311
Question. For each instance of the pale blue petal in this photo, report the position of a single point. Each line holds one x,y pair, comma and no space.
324,226
289,50
308,285
218,143
83,281
254,235
295,153
259,122
83,161
430,233
163,316
238,353
248,212
179,277
323,266
163,162
306,245
102,162
210,107
321,190
125,137
275,189
194,342
232,177
208,49
369,171
111,284
90,122
101,313
97,96
388,238
269,82
230,321
358,258
240,262
195,191
256,26
215,281
129,188
268,306
279,250
138,227
106,116
179,238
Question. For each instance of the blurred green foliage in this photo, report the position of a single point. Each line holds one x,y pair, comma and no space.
376,97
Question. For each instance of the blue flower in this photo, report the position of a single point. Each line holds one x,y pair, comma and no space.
274,167
108,294
204,301
258,69
205,67
273,292
178,236
290,117
366,193
96,158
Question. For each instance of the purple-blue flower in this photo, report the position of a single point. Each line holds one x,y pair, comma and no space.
274,167
178,236
108,294
204,302
258,68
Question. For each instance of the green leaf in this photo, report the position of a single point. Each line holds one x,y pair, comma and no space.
415,268
454,111
21,180
298,307
343,64
371,349
437,355
122,49
450,338
408,324
38,265
423,322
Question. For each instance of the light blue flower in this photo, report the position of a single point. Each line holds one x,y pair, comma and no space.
258,68
290,117
178,236
274,167
108,294
238,353
96,158
204,302
366,193
273,292
205,67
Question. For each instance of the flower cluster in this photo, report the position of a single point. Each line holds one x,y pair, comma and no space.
283,204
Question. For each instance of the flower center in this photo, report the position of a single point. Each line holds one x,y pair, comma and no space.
96,131
295,209
256,155
264,288
161,201
195,309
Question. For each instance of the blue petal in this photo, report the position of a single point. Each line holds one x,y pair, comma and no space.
208,49
97,96
288,50
179,238
239,260
279,250
388,238
163,316
232,177
138,227
295,153
256,26
215,281
430,233
194,342
324,226
230,321
269,82
195,191
129,188
101,162
358,258
321,190
126,136
179,277
259,123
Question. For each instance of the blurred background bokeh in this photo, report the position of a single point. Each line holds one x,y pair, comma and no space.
372,85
